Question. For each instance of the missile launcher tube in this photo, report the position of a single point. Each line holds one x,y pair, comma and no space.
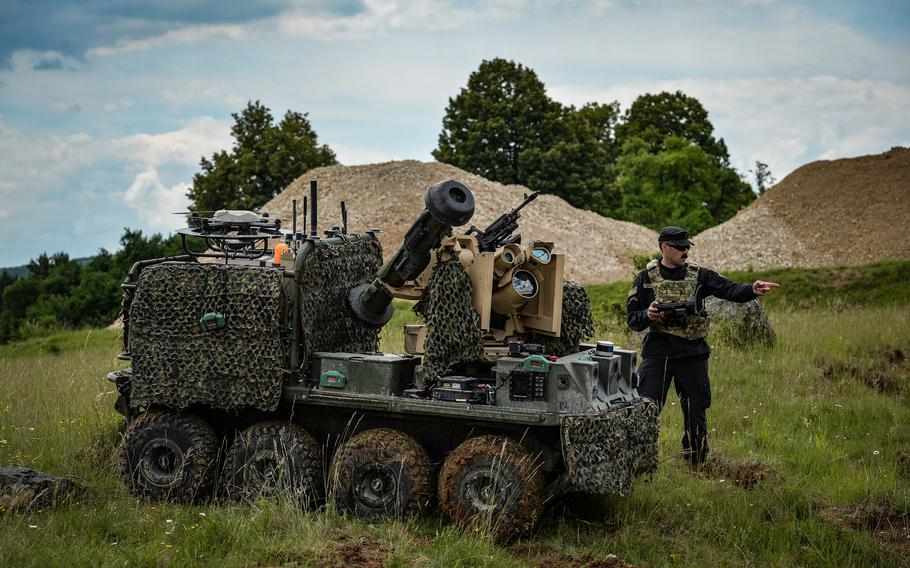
448,204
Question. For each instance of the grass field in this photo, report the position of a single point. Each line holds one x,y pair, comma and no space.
821,421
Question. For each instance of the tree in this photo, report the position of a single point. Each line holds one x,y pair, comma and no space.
5,280
502,113
580,165
95,301
652,118
763,178
40,266
682,185
134,246
264,160
503,126
62,277
19,295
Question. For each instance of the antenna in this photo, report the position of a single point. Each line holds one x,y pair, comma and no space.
344,219
293,216
304,212
313,232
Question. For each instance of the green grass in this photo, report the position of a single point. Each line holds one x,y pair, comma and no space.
802,407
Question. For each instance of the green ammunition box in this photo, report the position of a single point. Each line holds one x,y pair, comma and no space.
374,373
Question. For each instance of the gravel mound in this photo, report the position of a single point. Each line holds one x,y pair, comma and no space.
827,213
390,196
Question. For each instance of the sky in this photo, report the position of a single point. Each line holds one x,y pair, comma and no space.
107,106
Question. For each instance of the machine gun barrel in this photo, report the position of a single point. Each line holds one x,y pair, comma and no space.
500,231
448,204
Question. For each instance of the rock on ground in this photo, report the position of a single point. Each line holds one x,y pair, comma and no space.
740,324
22,488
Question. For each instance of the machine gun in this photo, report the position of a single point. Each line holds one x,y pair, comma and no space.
500,231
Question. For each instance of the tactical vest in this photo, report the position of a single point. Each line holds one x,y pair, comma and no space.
689,326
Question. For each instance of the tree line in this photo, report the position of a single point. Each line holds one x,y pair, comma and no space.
60,292
657,163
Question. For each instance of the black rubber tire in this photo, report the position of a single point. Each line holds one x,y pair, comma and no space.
169,456
382,473
274,460
493,484
450,202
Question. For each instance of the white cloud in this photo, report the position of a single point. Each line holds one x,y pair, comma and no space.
78,184
183,35
784,122
200,137
153,200
32,60
378,18
207,91
155,203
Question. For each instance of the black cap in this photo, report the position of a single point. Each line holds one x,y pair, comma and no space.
674,236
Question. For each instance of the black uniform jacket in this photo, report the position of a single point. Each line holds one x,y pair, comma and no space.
658,345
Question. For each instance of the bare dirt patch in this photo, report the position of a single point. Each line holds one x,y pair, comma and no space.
882,519
743,473
390,196
889,372
355,552
542,557
827,213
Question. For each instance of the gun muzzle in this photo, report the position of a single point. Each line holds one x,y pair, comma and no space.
448,204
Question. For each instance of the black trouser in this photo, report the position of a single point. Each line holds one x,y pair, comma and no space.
690,375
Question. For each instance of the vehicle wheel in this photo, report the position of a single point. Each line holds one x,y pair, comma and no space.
273,460
493,482
382,473
169,455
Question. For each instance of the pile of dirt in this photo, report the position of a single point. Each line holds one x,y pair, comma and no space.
882,519
888,373
827,213
743,473
390,196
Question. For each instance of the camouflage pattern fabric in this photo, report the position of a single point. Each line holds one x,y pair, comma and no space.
328,273
176,363
453,326
577,322
604,452
689,326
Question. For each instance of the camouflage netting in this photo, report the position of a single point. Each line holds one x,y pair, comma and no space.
577,323
603,452
176,363
329,272
453,326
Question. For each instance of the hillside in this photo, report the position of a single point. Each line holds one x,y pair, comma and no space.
390,196
850,211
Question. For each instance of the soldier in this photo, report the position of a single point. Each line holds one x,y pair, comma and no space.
674,349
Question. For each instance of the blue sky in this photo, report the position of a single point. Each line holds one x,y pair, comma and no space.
106,107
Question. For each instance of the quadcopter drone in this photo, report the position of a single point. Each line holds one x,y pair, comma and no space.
231,234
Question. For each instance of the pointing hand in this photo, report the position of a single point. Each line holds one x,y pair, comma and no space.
761,288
